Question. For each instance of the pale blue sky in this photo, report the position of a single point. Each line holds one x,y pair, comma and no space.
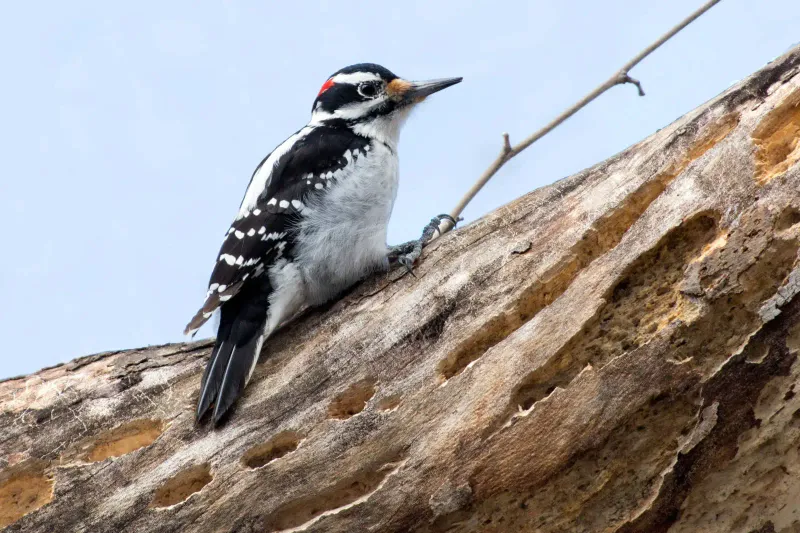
130,130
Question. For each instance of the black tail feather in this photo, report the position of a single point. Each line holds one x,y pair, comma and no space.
235,352
237,372
212,376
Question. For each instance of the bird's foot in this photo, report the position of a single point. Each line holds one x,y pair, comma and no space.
407,253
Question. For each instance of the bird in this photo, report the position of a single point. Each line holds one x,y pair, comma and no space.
312,222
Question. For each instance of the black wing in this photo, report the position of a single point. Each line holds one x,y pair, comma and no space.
266,233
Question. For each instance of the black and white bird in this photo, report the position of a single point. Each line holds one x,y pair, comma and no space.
312,222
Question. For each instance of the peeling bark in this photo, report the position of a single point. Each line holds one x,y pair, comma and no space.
616,352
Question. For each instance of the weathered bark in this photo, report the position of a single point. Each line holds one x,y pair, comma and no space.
615,352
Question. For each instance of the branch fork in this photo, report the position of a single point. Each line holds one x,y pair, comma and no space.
621,77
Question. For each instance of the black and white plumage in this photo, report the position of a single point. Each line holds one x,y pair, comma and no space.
312,222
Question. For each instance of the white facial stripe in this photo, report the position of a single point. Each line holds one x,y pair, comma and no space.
356,77
349,111
358,109
318,115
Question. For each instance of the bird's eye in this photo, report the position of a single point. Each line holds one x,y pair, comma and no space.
369,90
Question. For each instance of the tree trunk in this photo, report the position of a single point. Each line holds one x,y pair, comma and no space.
615,352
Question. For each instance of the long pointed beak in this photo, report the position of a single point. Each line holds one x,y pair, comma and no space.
416,91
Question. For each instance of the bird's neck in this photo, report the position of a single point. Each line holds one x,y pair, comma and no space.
384,128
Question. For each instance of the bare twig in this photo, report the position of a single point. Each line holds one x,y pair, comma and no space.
621,77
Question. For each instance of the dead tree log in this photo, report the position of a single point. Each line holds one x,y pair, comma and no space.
615,352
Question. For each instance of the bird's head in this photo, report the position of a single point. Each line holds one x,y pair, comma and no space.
371,99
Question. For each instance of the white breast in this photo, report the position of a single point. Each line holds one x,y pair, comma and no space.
343,232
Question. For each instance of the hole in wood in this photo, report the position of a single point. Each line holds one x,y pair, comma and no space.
344,494
22,491
353,400
390,402
124,439
788,218
278,446
179,487
777,140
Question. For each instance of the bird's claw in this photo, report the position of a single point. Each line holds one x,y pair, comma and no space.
407,260
407,253
433,226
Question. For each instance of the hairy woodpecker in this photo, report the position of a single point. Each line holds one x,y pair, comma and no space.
312,222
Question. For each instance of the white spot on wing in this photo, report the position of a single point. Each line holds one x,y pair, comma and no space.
274,236
263,174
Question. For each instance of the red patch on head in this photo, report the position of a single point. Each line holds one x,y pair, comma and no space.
325,86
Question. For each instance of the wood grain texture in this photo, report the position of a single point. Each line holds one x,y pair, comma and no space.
615,352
